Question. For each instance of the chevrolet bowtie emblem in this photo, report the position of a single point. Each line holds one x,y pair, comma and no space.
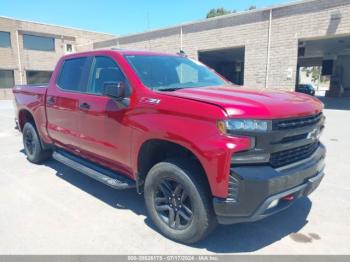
314,134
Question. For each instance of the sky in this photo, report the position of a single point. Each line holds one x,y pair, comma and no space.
120,17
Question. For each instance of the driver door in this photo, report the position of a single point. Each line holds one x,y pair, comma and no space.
104,131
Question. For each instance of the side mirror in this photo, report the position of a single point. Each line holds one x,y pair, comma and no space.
115,90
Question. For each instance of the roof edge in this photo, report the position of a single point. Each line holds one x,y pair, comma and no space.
54,25
263,9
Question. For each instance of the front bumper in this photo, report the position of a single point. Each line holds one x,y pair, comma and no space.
255,188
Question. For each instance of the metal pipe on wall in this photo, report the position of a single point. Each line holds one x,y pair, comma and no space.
268,51
19,60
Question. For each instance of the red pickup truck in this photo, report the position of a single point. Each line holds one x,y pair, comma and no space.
201,150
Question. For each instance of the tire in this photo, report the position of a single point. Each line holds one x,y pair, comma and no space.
170,213
32,145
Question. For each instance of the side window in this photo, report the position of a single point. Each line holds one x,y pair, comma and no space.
104,69
72,74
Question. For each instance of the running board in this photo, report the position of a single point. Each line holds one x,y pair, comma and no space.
99,173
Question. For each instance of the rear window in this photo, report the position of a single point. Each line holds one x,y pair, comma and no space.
73,73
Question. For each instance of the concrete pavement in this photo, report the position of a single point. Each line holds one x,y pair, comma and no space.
51,209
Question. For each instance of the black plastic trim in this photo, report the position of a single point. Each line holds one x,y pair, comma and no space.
292,123
259,184
97,172
263,211
279,141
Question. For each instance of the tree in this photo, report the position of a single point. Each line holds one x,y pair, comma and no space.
252,7
218,11
222,11
313,71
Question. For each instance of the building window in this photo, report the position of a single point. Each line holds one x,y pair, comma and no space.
38,77
33,42
5,39
69,48
7,79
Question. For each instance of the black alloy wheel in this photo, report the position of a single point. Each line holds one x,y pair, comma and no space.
178,200
29,143
32,145
173,204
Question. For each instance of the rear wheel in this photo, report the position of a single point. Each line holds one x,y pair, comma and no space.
178,201
32,145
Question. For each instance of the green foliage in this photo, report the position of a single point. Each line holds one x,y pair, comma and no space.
218,11
222,11
252,7
313,71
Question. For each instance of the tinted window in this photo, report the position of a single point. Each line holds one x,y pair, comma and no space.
72,74
7,79
160,72
105,70
33,42
38,77
5,39
186,73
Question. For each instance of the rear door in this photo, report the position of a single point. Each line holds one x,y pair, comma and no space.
104,129
63,97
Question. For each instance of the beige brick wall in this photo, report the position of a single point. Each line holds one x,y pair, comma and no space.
308,21
40,60
290,23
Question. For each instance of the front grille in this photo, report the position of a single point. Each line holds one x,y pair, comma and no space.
289,139
289,156
296,122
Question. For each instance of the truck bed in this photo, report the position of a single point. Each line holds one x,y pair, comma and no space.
31,98
28,94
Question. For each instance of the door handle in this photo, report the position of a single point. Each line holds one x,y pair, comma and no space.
84,106
51,100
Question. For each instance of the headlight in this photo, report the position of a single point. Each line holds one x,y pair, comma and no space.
231,125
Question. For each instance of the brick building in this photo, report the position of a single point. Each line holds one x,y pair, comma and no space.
264,47
29,51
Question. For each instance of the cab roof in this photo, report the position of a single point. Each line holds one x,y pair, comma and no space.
140,52
120,52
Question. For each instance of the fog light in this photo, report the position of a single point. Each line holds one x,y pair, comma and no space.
273,204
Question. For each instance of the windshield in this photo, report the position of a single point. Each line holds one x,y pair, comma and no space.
167,73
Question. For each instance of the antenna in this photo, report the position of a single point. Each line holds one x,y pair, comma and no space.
181,53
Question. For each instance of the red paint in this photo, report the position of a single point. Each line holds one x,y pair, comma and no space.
288,198
112,135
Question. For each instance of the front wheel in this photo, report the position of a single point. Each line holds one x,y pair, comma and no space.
32,145
178,201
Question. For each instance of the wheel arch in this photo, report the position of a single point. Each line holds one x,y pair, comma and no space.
25,116
153,151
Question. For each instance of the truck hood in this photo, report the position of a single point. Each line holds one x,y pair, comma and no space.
249,103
